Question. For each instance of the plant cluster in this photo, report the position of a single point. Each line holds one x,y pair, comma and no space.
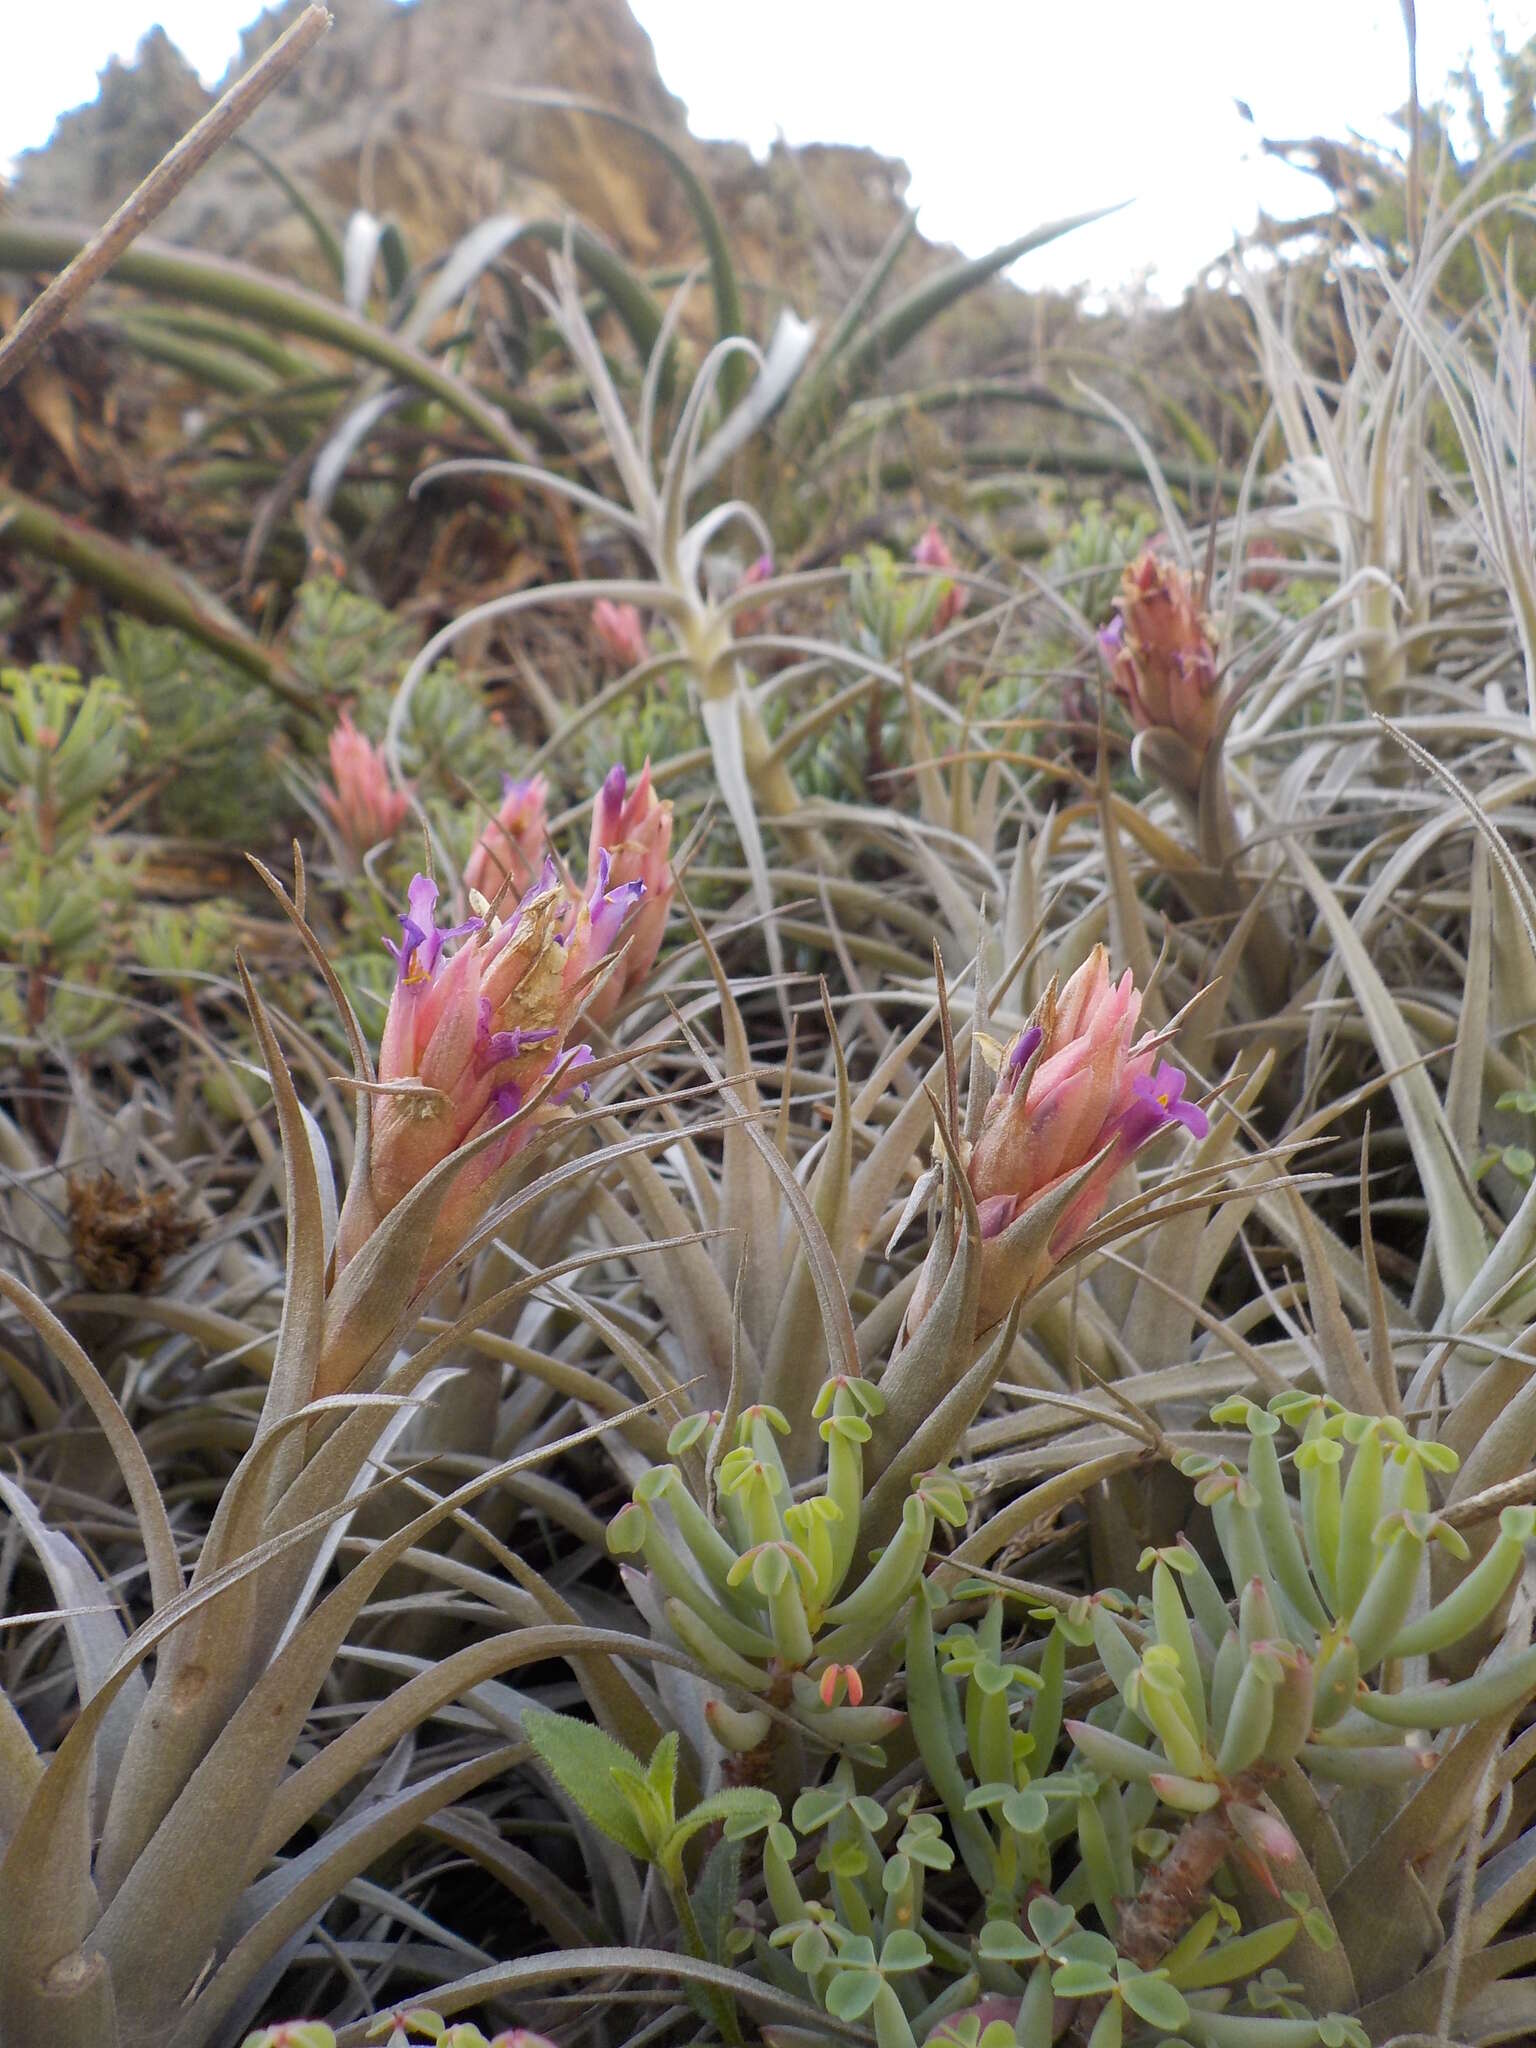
826,1335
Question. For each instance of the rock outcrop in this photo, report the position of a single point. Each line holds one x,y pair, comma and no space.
396,111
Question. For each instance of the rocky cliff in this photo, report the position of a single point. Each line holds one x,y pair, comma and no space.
395,112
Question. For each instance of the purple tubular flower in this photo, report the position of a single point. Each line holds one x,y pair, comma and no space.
492,1047
610,804
1025,1047
422,939
1158,1100
548,878
577,1056
996,1213
507,1101
1112,636
610,907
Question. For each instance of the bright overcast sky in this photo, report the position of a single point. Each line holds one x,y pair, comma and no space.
1008,112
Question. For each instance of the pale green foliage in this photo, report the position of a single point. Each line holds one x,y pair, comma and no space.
64,746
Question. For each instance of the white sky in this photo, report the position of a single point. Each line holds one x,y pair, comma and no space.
1008,112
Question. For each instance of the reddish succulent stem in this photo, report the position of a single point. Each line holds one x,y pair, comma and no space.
1173,1894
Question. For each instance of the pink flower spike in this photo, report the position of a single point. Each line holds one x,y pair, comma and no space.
1078,1092
629,883
510,849
621,632
364,804
932,551
470,1037
1161,652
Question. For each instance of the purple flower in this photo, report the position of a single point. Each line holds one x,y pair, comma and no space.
577,1056
1157,1101
422,939
492,1047
1025,1046
996,1213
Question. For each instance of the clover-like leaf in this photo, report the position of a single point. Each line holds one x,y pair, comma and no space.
1081,1980
1151,1997
982,1797
810,1949
1084,1946
923,1841
1004,1941
847,1859
1050,1921
903,1950
1027,1811
685,1434
627,1530
851,1993
813,1809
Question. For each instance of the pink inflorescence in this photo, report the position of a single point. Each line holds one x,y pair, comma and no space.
1076,1084
621,632
510,851
364,803
932,552
1162,653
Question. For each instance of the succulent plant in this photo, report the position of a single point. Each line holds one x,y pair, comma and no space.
1206,1812
772,1592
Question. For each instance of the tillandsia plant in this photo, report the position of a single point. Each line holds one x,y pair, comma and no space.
749,770
781,1546
134,1857
1247,1791
481,1016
